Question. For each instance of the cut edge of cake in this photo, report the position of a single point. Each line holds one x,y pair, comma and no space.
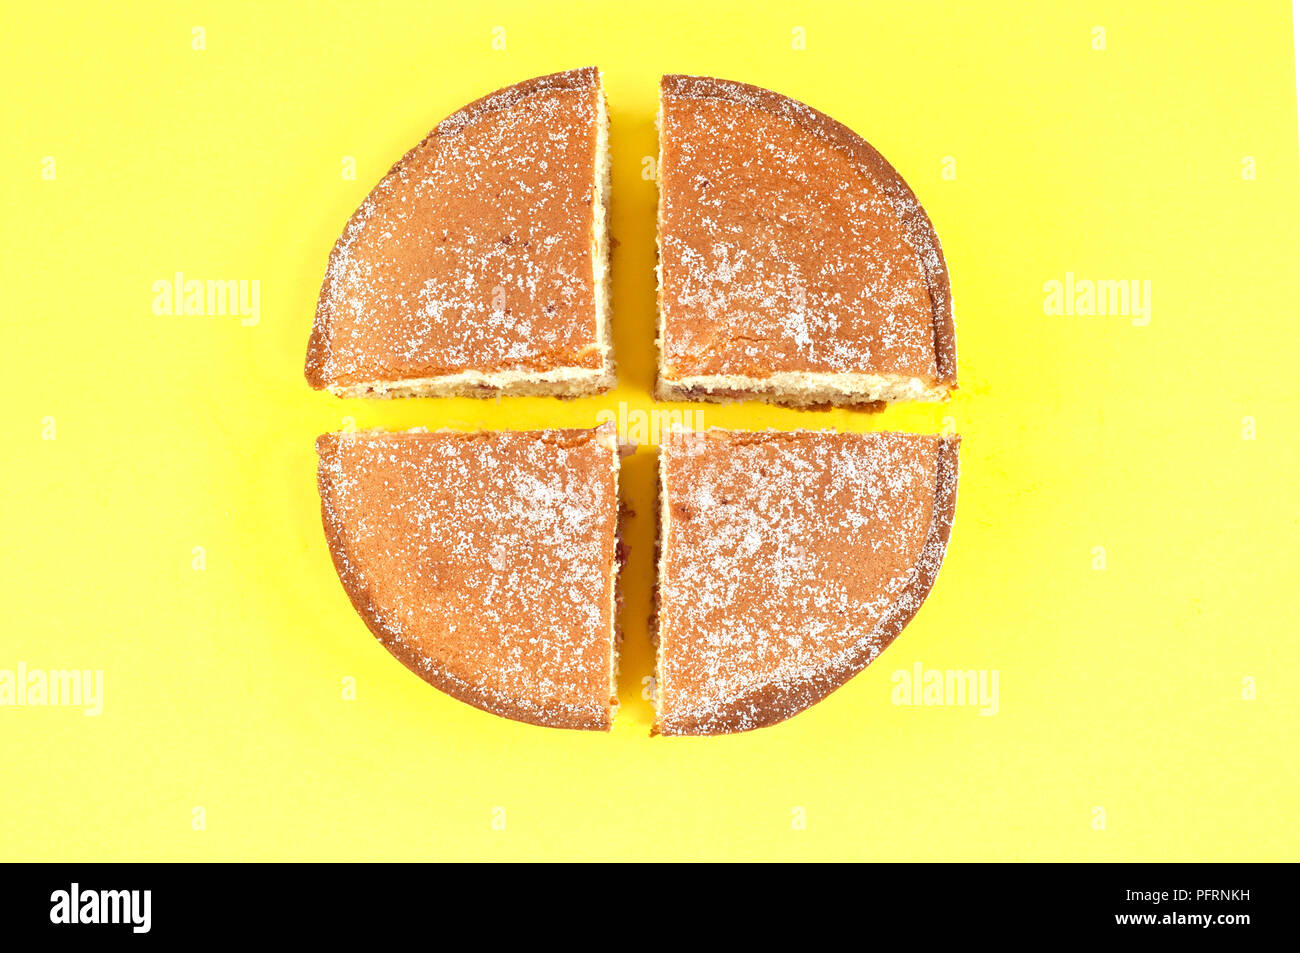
810,389
661,527
606,436
771,707
553,382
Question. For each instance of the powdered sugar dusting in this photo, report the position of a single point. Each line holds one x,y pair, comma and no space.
474,252
484,561
789,561
788,244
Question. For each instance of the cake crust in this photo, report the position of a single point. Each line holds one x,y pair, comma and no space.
486,562
736,664
478,265
716,344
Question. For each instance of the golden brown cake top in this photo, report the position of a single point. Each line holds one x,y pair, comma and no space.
484,561
789,561
475,251
787,243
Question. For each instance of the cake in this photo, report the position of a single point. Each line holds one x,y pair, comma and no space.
486,562
788,561
479,265
795,265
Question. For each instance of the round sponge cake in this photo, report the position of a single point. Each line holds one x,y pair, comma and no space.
479,265
796,265
485,561
788,562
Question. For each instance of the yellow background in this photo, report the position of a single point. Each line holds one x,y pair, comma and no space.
1119,688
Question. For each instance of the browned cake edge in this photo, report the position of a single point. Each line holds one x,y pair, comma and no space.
354,585
768,705
874,166
563,382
